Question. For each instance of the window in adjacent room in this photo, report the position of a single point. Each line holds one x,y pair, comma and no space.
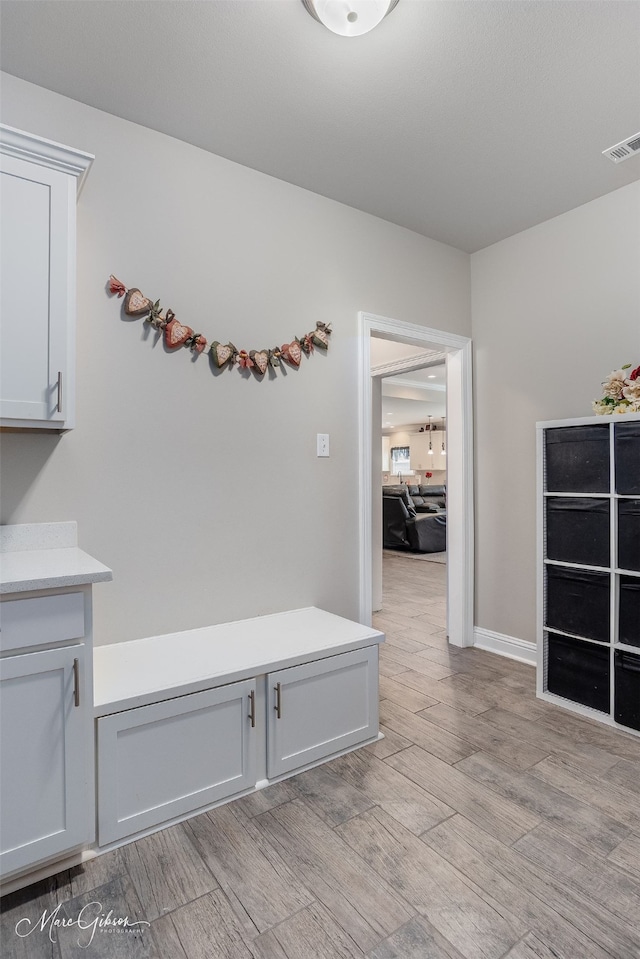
399,460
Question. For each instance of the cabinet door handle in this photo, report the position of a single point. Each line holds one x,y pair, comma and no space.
252,708
278,706
76,682
59,403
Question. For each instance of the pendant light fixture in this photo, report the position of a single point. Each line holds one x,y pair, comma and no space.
430,451
349,18
444,452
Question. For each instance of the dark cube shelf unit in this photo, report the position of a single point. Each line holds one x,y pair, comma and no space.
589,567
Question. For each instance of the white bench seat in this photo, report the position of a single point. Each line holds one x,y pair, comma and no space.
191,719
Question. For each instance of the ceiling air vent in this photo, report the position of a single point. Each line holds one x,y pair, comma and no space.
622,151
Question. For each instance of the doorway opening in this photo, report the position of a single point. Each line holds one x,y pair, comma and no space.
409,563
455,351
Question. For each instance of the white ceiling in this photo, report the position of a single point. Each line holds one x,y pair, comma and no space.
388,351
430,378
464,120
408,399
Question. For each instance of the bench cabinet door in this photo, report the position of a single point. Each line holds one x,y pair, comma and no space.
321,708
166,760
45,767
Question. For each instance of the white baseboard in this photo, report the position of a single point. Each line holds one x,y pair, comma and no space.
511,646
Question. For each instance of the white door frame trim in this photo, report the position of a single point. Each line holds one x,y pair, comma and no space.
460,477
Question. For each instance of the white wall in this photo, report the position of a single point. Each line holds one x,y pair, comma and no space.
150,471
554,310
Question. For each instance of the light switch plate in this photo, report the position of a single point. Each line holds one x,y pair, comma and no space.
323,444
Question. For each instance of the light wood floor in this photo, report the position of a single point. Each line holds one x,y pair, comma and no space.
486,824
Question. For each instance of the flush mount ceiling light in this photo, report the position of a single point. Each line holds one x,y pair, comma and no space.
349,18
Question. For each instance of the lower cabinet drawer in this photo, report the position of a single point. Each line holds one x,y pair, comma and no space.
171,758
42,620
318,709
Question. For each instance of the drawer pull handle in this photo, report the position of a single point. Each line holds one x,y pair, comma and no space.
76,682
252,708
59,403
278,706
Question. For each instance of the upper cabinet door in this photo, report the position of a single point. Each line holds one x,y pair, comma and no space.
419,452
37,280
439,457
35,298
423,460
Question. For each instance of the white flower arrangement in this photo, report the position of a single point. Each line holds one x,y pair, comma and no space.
621,392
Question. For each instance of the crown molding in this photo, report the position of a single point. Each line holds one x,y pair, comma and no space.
35,149
408,364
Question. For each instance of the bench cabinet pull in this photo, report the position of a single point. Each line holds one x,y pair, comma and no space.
252,708
278,706
76,682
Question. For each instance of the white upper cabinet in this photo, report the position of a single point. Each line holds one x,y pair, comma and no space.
423,460
39,181
386,454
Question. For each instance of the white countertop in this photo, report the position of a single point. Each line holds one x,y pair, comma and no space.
143,671
45,556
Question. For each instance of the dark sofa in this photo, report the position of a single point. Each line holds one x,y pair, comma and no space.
404,528
426,498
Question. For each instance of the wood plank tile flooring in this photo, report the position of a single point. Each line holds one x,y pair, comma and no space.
485,825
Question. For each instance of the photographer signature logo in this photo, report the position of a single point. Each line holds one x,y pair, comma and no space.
89,920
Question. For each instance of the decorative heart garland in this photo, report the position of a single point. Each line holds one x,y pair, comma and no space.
222,354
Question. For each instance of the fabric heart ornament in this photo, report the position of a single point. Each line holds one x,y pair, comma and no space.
222,353
175,334
135,304
260,359
292,352
321,338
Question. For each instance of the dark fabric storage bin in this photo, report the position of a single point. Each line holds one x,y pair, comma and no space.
577,459
578,671
578,602
627,687
629,534
578,530
629,611
627,449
